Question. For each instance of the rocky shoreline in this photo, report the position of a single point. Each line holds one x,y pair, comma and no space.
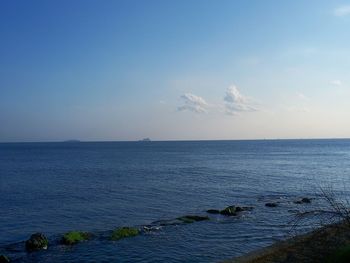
39,242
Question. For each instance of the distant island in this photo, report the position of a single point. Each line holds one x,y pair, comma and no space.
72,141
145,140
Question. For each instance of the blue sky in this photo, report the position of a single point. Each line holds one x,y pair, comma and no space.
124,70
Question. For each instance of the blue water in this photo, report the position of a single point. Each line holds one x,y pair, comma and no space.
57,187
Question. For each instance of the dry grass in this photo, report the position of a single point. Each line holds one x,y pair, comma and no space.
314,247
320,245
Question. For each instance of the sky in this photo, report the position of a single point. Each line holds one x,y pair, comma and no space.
174,70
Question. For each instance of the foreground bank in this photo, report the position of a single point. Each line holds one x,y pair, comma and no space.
329,244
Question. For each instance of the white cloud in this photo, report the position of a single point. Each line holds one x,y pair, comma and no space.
336,83
302,96
236,102
193,103
342,11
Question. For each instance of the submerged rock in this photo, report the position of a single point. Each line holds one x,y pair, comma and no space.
213,211
229,211
169,222
4,259
124,232
37,241
234,210
247,208
74,237
150,228
271,204
239,209
304,200
192,218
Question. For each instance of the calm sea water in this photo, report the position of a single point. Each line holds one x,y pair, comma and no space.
57,187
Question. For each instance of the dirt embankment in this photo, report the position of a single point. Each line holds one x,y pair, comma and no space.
321,245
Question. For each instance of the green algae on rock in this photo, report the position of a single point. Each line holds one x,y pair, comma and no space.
36,242
124,232
74,237
229,211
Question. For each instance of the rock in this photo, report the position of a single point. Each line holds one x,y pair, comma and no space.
239,209
124,232
229,211
192,218
171,222
271,204
304,200
213,211
4,259
247,208
74,237
37,241
234,210
148,229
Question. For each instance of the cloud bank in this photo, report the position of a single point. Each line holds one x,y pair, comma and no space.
235,102
336,83
302,96
193,103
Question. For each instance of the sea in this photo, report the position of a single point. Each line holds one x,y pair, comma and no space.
96,187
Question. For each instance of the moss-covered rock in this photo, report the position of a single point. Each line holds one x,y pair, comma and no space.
124,232
4,259
192,218
229,211
74,237
36,242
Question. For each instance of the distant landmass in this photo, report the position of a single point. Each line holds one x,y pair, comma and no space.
145,140
72,141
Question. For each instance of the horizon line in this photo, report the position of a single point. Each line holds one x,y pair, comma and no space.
179,140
